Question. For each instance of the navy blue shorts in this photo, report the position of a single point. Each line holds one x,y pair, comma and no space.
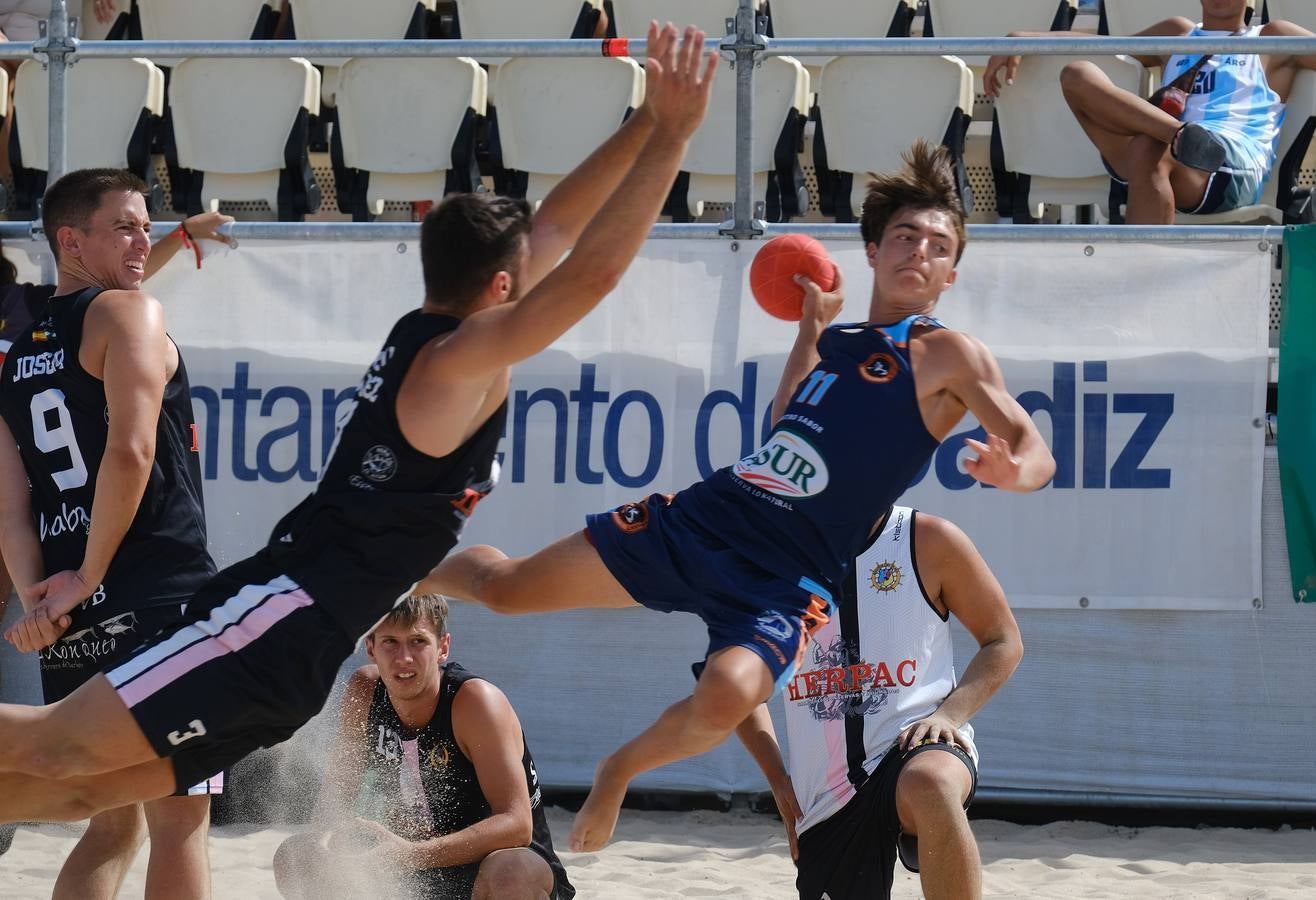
668,563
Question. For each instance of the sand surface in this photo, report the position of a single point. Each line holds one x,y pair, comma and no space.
740,854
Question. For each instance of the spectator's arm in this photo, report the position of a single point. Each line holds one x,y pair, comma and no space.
968,590
489,735
1282,28
347,761
203,226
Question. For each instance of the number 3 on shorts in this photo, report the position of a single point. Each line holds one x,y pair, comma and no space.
61,437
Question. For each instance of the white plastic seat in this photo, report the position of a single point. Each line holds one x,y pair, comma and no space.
521,20
1041,139
837,18
630,18
330,20
1125,17
994,18
579,102
408,126
240,125
196,20
110,103
1294,143
1299,12
867,129
781,102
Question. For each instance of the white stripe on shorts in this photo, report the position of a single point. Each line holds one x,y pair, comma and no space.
234,624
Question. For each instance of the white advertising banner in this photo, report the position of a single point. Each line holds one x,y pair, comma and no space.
1144,366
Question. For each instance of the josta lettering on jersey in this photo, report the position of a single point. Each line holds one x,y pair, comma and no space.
46,363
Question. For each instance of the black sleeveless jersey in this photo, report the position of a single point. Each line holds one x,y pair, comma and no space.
383,513
58,415
420,785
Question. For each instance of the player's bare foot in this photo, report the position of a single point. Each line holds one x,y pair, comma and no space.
597,819
462,574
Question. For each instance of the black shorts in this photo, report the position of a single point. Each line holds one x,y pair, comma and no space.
84,649
852,854
250,662
457,882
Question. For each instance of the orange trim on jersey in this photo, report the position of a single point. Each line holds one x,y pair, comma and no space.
814,617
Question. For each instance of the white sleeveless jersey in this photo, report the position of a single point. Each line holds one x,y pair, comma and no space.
1231,96
883,662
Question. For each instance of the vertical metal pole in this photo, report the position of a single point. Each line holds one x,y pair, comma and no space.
58,45
746,45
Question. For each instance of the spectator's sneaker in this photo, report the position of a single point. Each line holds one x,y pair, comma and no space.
1198,148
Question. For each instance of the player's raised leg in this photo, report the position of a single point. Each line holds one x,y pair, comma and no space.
734,682
26,798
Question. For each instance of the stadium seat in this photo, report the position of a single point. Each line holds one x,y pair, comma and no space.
865,130
840,18
976,18
478,20
197,20
329,20
1299,12
111,103
241,128
781,98
630,18
1044,155
577,101
1125,17
406,130
1282,201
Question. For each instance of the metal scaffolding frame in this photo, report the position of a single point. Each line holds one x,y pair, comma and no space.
744,46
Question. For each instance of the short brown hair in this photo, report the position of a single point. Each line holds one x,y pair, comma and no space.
431,608
927,181
74,198
466,239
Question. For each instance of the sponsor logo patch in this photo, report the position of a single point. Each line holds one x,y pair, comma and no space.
886,576
631,518
787,466
880,368
380,463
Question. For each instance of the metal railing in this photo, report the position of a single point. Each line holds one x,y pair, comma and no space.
744,46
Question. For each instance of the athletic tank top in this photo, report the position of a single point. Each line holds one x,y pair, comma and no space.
1231,96
59,417
882,663
384,513
847,446
419,784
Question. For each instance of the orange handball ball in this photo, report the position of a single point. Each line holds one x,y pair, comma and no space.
772,274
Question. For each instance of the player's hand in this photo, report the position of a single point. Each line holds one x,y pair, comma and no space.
386,849
61,593
37,630
678,82
991,84
936,728
820,306
995,463
783,792
205,227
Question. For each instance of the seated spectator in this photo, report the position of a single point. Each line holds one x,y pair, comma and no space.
431,791
1209,152
882,760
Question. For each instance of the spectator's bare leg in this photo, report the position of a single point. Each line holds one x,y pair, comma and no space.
98,863
930,795
517,873
180,862
735,681
1102,107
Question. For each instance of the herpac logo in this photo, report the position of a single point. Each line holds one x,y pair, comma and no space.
880,368
379,464
885,577
787,465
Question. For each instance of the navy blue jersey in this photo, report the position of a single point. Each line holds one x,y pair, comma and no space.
847,446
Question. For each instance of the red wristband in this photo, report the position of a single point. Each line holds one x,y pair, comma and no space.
188,242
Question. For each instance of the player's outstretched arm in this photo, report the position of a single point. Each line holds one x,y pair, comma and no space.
820,308
760,739
202,226
347,761
1014,458
577,198
966,588
495,338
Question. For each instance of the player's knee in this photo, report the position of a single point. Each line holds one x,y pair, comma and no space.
512,875
723,702
1076,78
175,821
292,861
123,828
931,790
